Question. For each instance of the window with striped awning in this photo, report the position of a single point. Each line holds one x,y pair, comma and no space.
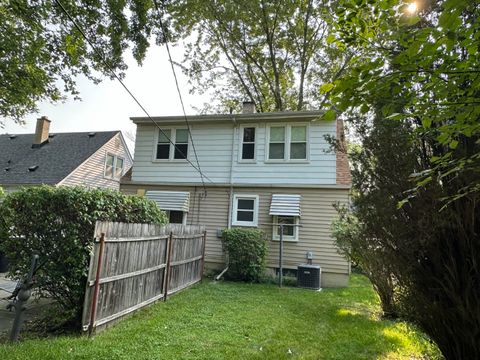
285,205
170,200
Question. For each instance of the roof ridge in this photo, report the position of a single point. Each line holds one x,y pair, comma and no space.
65,133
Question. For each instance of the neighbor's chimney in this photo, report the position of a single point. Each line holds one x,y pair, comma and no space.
248,107
41,132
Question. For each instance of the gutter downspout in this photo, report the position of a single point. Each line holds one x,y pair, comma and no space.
230,194
230,191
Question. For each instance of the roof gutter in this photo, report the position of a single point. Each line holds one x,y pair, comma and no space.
253,117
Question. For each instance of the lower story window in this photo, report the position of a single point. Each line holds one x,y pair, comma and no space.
290,227
176,217
245,210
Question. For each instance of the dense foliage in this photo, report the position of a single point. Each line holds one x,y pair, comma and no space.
247,251
58,224
2,218
42,52
411,96
3,261
272,53
352,240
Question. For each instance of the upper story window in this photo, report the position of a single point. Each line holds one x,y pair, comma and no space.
248,143
276,147
113,167
166,150
245,210
288,142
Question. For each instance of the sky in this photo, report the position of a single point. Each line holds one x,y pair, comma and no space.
108,106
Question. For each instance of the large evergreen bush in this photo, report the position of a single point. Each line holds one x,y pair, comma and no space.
58,224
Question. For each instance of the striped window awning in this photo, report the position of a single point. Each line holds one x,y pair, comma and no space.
170,200
285,205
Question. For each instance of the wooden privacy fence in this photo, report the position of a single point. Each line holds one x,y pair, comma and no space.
133,265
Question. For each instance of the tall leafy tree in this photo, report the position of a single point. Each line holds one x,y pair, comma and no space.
412,95
273,53
425,57
42,52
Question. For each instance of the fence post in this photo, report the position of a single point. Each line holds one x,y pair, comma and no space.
167,273
96,289
203,254
21,298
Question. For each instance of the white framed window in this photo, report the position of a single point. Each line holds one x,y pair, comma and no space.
287,143
276,143
298,142
113,167
166,150
247,141
290,227
245,210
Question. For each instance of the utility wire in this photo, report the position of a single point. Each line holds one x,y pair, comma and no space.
165,40
107,65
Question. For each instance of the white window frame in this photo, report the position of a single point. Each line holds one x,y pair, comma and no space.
275,229
288,138
173,136
115,158
240,148
237,197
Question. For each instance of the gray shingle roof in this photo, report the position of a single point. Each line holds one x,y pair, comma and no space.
55,160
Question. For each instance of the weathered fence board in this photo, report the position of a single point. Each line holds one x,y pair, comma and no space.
133,265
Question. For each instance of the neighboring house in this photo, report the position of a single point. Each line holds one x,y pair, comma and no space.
94,159
262,169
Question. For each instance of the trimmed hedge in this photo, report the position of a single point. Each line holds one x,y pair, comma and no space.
58,224
247,251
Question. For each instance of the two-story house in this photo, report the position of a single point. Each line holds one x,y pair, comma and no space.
91,159
263,169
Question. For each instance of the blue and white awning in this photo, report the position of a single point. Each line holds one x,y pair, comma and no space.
170,200
285,205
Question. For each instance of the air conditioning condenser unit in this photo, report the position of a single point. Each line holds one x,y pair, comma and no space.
309,276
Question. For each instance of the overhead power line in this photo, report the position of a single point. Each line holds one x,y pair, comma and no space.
165,40
109,67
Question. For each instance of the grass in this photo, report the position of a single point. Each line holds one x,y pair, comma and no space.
246,321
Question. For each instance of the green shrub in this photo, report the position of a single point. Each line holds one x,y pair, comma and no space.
273,280
247,250
58,225
365,253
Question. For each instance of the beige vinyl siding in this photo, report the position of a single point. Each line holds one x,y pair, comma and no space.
212,212
314,235
91,172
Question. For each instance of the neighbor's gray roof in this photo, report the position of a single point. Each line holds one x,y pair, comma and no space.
55,160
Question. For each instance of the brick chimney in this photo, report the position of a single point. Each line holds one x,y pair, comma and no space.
41,132
248,107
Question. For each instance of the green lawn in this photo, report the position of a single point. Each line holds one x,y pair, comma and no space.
246,321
